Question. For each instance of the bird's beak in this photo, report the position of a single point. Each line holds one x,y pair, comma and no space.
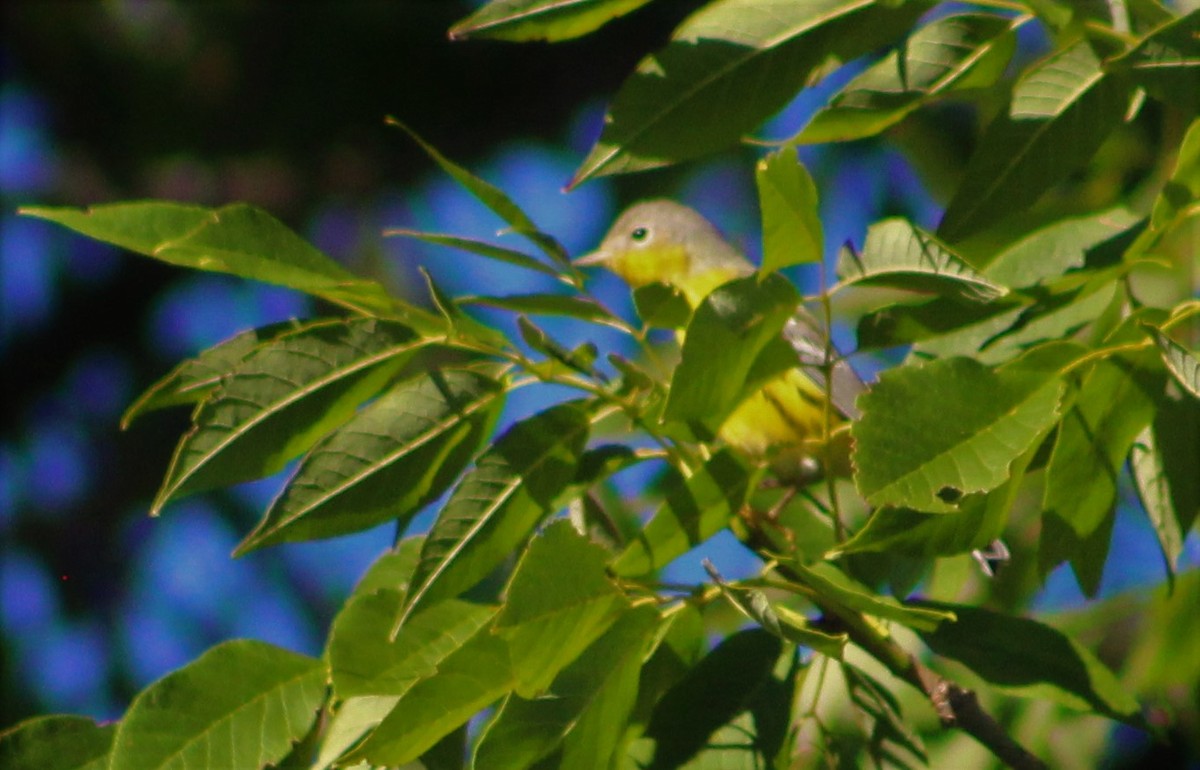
599,257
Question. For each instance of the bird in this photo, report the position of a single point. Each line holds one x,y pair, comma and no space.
784,422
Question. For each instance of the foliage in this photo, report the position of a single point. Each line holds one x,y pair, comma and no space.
1044,357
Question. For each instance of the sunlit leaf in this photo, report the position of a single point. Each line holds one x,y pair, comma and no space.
513,486
549,20
352,720
363,658
241,704
724,338
570,306
1182,363
492,197
727,68
778,620
393,569
58,742
935,432
238,239
1062,110
787,198
475,246
830,581
694,510
284,396
586,710
900,254
952,53
470,678
388,461
558,602
196,378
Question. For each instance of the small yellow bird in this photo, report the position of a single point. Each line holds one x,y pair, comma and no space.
784,422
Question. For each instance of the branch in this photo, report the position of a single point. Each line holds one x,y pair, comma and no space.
955,705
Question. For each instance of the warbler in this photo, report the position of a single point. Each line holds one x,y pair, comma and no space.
784,423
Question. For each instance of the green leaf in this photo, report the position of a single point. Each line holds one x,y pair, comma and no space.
393,569
831,582
241,704
1062,110
58,742
352,720
581,359
583,308
727,68
899,254
724,338
364,660
196,378
482,248
932,433
473,676
1028,658
237,239
1181,362
514,485
1164,458
1051,250
787,197
1110,409
661,306
712,693
492,197
558,602
694,510
549,20
779,620
876,700
586,710
284,396
1166,63
953,53
387,462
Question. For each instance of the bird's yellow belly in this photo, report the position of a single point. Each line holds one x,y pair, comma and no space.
782,423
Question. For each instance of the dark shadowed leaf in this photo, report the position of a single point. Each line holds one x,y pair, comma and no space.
1031,659
1062,109
58,742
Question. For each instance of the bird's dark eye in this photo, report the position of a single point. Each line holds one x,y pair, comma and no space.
639,234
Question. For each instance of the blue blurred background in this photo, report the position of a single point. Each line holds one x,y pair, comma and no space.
283,106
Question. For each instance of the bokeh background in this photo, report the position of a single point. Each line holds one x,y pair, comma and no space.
282,105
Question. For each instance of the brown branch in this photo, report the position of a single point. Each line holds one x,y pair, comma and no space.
956,706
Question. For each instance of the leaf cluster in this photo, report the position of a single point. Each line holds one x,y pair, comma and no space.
1038,368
